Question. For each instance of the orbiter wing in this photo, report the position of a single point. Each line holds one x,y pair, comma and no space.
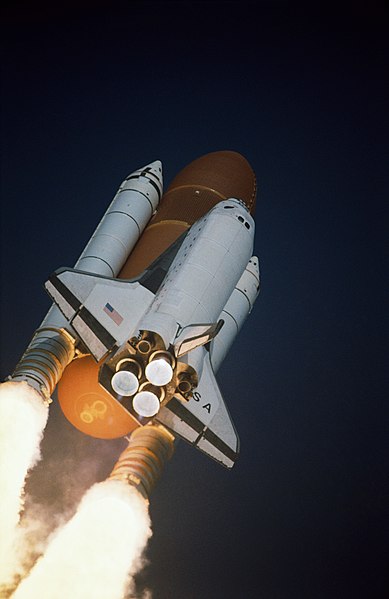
204,420
102,311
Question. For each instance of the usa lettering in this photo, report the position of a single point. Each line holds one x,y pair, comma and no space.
197,397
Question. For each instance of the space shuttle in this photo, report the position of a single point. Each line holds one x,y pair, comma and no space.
141,324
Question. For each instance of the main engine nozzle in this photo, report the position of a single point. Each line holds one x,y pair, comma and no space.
125,381
159,370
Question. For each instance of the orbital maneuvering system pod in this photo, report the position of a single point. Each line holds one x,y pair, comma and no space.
152,306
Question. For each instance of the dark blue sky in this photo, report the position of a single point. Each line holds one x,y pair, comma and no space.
92,93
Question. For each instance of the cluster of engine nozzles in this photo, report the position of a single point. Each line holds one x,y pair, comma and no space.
150,378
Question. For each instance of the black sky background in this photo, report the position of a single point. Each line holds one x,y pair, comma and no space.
89,94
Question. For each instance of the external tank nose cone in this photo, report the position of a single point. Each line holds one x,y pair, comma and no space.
203,183
225,173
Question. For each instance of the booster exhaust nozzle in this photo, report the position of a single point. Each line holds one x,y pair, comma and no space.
45,359
142,462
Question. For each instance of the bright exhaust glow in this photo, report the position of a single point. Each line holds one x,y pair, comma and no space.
146,404
23,417
124,383
159,372
98,552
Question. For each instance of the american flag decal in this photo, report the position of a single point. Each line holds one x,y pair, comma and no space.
113,314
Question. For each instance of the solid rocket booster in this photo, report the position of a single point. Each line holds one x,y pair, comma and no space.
54,343
141,463
131,209
238,307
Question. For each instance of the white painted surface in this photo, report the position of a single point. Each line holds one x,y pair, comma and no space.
205,271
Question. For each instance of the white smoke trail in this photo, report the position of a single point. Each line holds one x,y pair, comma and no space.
97,552
23,417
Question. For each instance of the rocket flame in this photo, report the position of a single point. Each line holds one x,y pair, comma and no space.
97,552
23,417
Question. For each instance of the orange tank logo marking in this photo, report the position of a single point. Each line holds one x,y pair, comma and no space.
90,412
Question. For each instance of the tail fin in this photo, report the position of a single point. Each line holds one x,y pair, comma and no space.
194,336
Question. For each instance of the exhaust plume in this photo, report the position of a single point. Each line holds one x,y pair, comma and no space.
99,550
23,417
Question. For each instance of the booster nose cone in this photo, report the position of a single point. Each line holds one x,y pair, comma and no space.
154,172
156,166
